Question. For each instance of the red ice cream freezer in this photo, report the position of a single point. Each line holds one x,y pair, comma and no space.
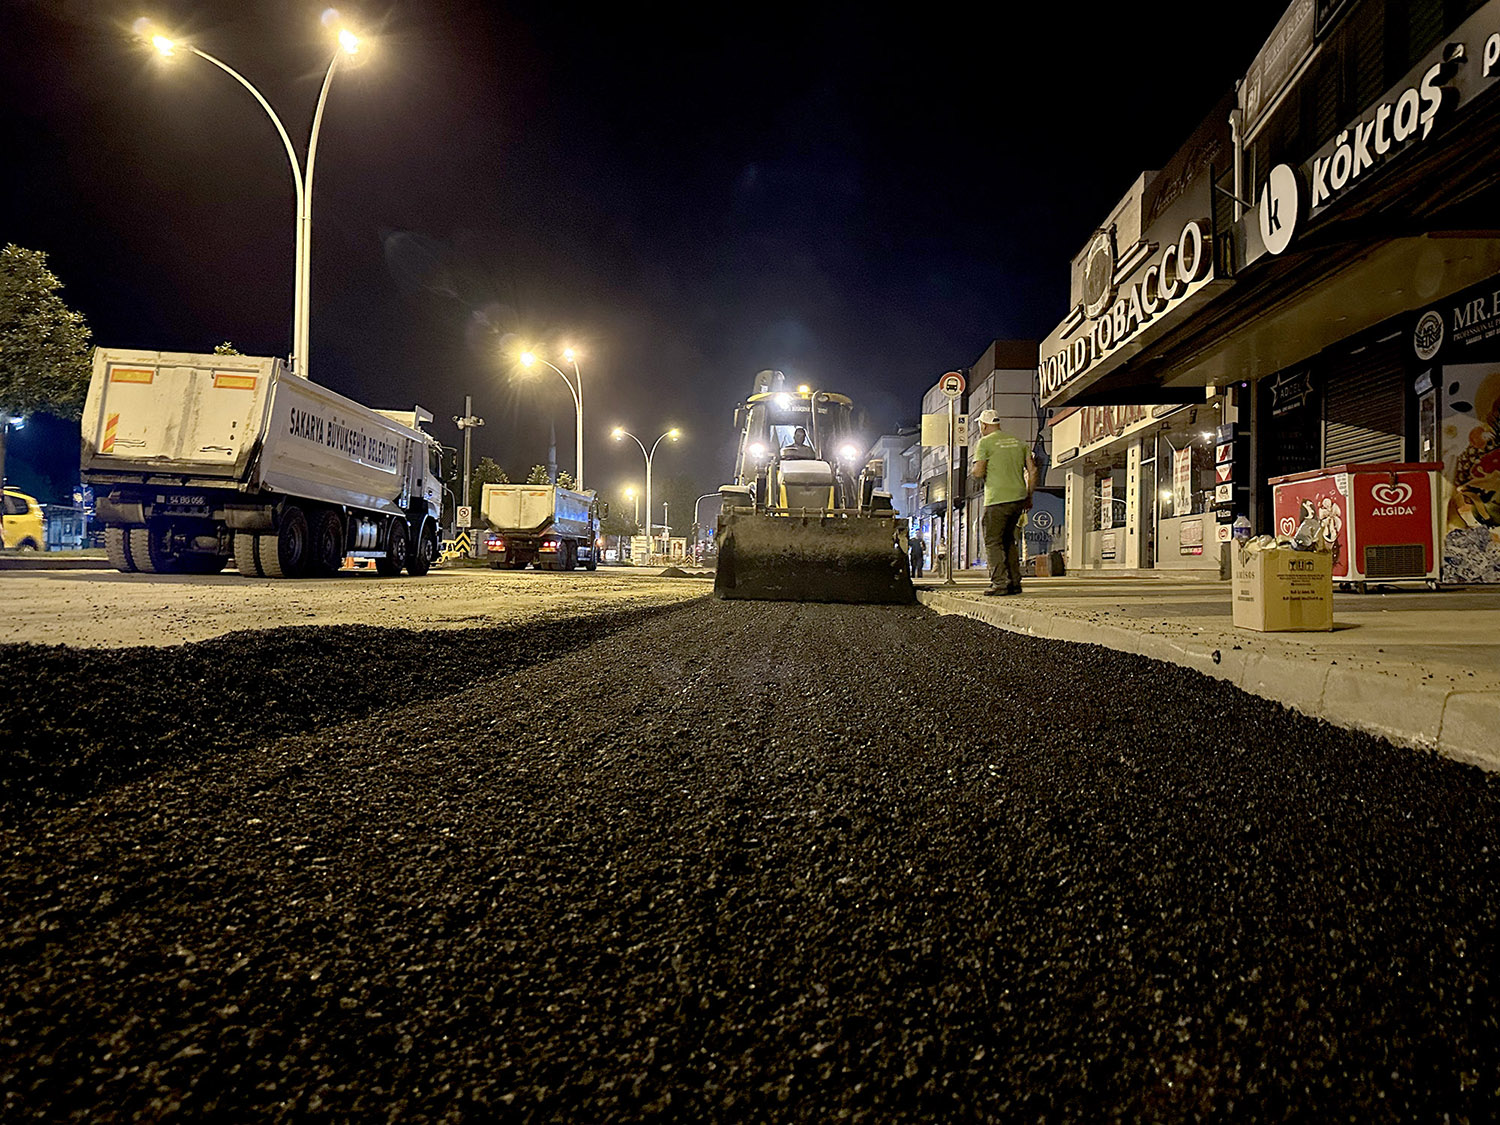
1381,520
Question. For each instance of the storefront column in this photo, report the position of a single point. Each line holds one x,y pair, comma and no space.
1075,515
1133,538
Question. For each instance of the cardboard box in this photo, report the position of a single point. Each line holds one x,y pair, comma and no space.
1283,591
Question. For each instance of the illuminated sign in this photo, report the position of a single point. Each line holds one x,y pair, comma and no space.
1176,272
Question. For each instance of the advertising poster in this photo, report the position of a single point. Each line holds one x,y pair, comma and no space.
1471,463
1182,482
1107,503
1190,537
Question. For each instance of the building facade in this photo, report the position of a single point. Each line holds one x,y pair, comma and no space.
1312,283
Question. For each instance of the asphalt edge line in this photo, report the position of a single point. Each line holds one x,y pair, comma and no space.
1458,724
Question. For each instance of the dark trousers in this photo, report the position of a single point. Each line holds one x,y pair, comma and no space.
1002,544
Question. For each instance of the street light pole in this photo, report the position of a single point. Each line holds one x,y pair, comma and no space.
575,389
621,432
696,522
301,185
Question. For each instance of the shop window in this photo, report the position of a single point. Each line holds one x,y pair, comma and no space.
1107,495
1185,470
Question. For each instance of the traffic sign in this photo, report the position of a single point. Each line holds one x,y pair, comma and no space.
465,516
952,384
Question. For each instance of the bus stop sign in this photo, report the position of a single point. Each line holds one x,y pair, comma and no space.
952,384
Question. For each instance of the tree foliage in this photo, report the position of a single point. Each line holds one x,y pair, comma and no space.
565,480
679,491
45,347
226,348
539,475
486,472
45,352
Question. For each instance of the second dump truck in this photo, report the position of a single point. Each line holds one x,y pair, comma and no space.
554,528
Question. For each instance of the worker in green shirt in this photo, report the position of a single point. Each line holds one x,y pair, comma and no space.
1009,473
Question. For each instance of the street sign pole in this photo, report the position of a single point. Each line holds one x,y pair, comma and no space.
952,506
467,424
952,385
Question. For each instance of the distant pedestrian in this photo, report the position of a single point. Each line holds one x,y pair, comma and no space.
918,553
1009,473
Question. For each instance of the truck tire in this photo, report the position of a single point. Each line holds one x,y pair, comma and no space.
397,548
325,552
147,553
422,558
284,553
117,547
247,554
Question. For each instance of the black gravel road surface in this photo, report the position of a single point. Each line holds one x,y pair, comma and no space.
735,862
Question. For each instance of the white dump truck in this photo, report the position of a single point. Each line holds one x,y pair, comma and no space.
556,528
196,459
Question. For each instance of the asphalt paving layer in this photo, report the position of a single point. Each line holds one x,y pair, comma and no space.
737,861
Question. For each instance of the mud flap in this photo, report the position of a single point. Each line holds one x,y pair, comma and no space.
812,559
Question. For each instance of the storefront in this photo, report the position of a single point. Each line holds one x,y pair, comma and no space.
1143,485
1340,311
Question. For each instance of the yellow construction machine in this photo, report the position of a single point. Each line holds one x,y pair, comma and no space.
802,520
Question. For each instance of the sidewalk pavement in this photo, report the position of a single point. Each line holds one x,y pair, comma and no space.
1418,667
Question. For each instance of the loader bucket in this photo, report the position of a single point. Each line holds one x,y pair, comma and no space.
812,558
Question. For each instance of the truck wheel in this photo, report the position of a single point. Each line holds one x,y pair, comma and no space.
421,559
117,547
148,552
284,553
397,548
325,544
247,554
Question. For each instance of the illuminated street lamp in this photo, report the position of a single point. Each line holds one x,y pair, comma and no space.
302,183
575,388
621,433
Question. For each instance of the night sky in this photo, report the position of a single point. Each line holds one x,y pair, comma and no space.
861,196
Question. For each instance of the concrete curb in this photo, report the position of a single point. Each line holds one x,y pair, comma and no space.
1459,724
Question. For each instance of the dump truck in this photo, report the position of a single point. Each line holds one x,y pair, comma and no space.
803,520
197,459
555,528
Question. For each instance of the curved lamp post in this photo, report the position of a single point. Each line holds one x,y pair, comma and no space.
620,433
696,521
575,388
349,44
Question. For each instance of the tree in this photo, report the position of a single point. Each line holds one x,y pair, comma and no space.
679,491
620,521
45,347
486,472
538,475
565,480
226,348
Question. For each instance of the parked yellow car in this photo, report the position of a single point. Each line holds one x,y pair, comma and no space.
25,528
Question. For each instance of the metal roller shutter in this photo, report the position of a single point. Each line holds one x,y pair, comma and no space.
1364,407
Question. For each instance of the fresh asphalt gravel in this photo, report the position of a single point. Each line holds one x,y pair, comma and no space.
734,861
